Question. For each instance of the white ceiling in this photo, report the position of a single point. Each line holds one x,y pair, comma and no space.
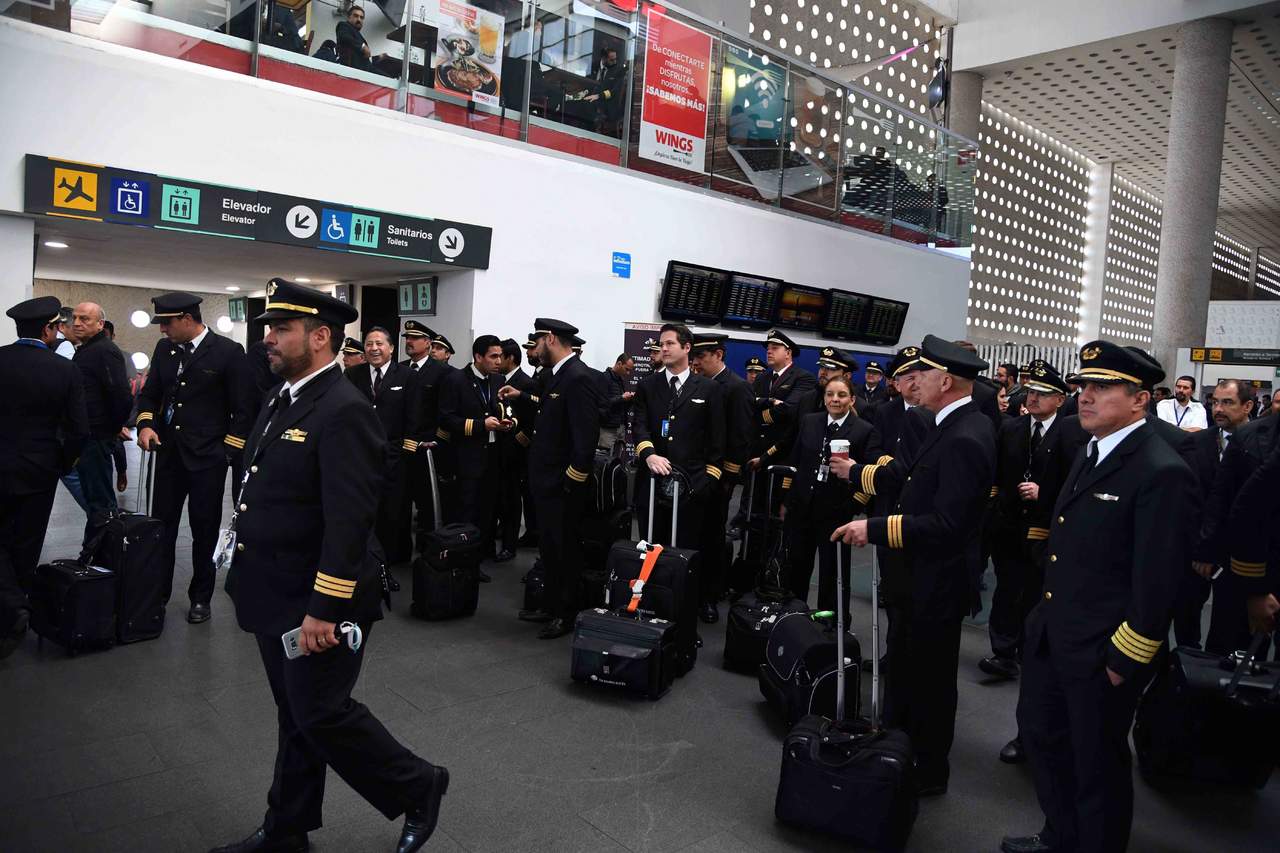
1110,101
171,260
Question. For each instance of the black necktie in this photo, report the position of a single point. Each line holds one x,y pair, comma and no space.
414,365
184,352
1090,459
675,389
286,397
1037,433
377,381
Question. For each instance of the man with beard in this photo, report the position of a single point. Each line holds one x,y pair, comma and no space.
1183,411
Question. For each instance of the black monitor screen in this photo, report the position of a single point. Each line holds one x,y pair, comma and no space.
692,294
752,302
846,318
801,307
885,320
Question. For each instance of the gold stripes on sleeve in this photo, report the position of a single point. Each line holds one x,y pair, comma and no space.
575,475
868,479
893,527
884,460
1248,570
995,490
786,483
443,434
732,467
713,471
468,426
771,451
144,416
233,442
862,498
536,400
337,587
643,446
410,445
1035,533
1134,645
767,414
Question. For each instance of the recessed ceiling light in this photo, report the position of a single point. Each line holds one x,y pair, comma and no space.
233,288
55,244
304,281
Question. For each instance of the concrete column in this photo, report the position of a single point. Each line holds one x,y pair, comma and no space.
1192,177
964,115
17,268
1097,223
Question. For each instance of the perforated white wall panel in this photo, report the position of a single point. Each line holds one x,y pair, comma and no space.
1133,253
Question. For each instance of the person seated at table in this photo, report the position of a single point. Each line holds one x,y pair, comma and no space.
611,91
353,50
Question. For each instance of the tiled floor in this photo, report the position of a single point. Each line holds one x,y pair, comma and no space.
168,745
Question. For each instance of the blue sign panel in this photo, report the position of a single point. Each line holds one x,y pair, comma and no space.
622,265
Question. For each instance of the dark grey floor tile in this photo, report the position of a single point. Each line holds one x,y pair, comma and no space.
46,774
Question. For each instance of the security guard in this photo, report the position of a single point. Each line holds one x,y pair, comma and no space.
44,426
1110,585
393,390
560,462
739,430
872,391
303,559
679,427
1034,454
428,375
352,353
194,411
472,414
935,525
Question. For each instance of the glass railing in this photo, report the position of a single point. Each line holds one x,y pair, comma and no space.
623,82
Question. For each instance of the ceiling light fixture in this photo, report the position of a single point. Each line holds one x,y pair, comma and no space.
304,281
233,288
55,244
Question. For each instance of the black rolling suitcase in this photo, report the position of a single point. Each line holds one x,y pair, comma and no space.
598,536
535,586
131,544
608,485
446,574
625,648
671,591
74,605
759,537
852,780
799,673
1210,719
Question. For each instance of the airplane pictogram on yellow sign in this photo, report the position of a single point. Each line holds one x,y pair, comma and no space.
74,189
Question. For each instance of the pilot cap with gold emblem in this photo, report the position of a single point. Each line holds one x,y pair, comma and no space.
171,305
1107,364
907,358
287,301
835,359
1042,377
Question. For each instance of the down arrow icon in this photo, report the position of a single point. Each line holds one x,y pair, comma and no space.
451,243
301,221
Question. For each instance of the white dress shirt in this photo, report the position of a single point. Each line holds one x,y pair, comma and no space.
1109,443
1190,416
946,410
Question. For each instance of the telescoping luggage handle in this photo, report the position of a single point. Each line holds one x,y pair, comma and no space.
435,486
675,506
1255,649
146,474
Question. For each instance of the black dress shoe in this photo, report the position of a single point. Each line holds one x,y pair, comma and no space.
419,823
1025,844
709,614
1003,668
484,577
393,585
533,616
198,613
555,628
1013,752
505,555
260,842
13,637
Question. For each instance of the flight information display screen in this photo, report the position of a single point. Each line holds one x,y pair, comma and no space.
802,307
863,318
692,294
752,302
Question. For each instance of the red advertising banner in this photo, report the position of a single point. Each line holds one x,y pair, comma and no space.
677,84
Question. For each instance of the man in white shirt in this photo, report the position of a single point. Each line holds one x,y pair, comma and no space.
1183,411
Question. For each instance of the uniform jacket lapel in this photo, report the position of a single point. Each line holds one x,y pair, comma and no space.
205,346
1084,481
300,408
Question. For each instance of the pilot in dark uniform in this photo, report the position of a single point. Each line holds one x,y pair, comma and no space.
872,391
935,524
44,426
1255,565
428,374
753,367
1114,565
831,362
525,409
739,431
472,414
352,353
393,391
514,457
817,501
560,462
194,411
781,395
304,557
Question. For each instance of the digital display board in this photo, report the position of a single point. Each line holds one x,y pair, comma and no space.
692,294
801,307
863,318
884,321
752,302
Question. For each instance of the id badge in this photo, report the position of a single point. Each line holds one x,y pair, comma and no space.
224,552
823,472
666,427
168,414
